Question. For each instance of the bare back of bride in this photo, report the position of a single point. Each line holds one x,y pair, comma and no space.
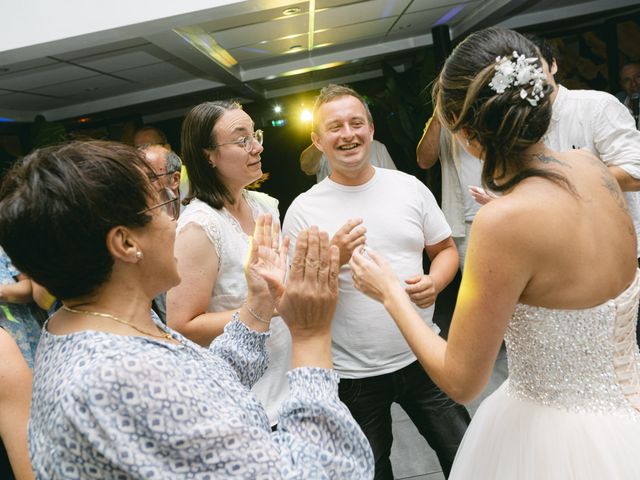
551,268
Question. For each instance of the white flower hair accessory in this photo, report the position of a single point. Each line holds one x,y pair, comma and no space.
519,72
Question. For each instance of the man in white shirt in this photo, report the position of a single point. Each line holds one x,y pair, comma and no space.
396,215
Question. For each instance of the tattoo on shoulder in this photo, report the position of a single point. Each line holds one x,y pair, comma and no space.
549,159
613,188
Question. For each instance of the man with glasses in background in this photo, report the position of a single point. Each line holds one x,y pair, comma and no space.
166,166
165,177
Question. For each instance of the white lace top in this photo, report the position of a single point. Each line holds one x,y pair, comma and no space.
231,244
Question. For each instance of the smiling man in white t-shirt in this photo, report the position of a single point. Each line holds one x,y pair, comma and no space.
396,215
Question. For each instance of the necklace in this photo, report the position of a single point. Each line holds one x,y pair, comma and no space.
119,320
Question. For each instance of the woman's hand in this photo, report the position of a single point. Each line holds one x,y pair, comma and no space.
481,195
373,276
266,257
308,302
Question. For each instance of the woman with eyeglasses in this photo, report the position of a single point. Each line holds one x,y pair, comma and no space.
221,151
117,394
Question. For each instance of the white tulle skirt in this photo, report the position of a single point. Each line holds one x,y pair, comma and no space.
515,439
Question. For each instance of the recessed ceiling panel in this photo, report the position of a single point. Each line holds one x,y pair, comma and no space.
43,76
25,101
418,5
250,34
155,75
105,92
419,23
119,61
111,47
28,65
347,34
96,85
358,12
262,16
284,49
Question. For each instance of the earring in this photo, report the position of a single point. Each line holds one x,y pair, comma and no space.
468,142
139,255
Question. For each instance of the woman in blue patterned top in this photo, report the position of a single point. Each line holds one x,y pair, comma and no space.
116,394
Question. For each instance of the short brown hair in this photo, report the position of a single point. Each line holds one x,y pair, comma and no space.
332,92
58,204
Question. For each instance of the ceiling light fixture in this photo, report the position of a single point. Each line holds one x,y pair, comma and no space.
206,44
305,115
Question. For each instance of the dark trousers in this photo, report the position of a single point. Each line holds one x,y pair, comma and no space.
440,420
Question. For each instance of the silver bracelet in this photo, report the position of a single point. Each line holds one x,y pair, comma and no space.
255,315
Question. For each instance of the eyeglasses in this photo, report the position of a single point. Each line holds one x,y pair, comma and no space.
246,142
169,203
154,177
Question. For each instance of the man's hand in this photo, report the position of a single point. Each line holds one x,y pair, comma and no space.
421,290
350,236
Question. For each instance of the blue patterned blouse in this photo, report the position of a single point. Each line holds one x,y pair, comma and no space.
121,407
18,319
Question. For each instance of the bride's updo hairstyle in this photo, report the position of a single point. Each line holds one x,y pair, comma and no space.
504,124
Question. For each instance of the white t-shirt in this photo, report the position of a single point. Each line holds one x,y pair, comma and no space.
401,217
598,122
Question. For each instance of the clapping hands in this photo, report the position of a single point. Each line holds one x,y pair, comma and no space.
308,300
267,257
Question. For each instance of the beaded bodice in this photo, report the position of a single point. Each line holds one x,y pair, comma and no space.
583,360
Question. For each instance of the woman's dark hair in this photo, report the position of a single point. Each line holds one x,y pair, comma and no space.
197,136
504,124
58,204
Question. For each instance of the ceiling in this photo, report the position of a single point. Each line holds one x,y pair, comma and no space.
76,58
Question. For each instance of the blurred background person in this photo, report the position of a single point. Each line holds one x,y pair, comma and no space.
19,316
460,172
221,150
116,393
19,335
164,173
149,135
630,96
15,396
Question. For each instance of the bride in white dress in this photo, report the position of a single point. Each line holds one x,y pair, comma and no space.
551,269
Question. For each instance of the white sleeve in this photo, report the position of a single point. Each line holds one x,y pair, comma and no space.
615,137
434,224
294,223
